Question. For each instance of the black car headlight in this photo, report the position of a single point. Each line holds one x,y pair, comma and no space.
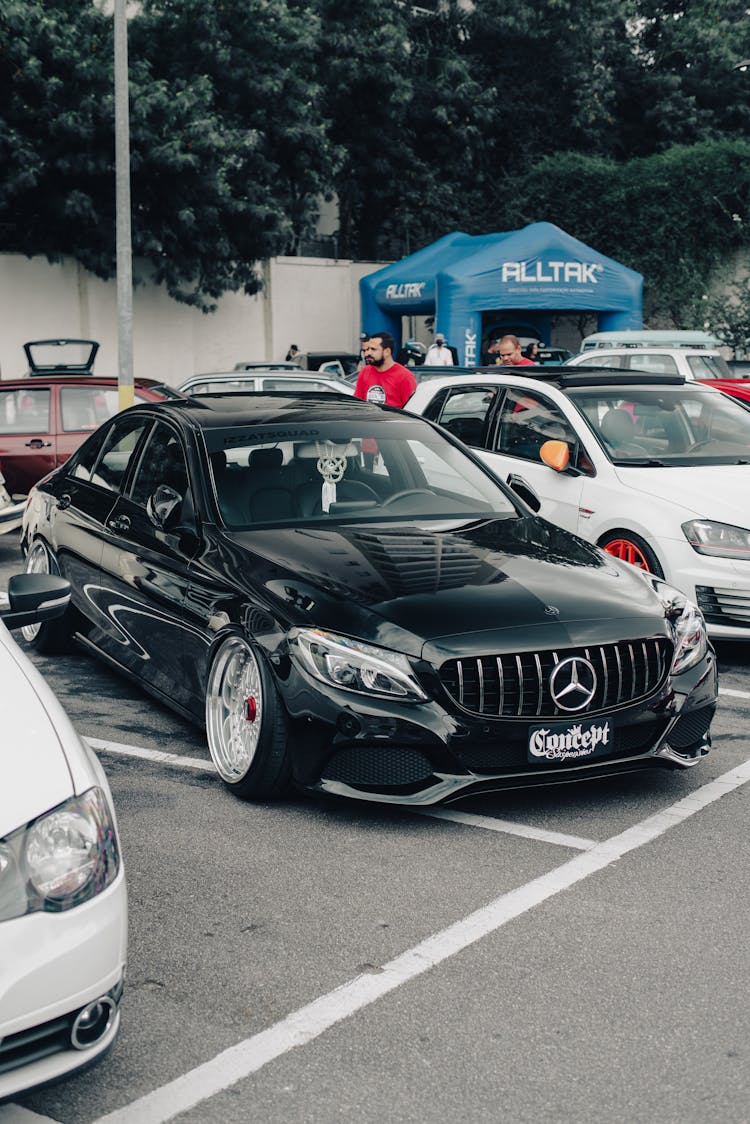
719,540
61,859
354,666
687,625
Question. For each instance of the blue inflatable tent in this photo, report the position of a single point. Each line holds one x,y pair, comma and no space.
520,278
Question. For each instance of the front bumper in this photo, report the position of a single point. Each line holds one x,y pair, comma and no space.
720,587
428,753
52,966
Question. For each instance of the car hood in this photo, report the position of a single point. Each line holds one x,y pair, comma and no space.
713,491
500,582
34,772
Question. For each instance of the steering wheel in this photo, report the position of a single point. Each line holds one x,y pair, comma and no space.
407,492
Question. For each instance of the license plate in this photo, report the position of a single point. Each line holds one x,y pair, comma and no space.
571,741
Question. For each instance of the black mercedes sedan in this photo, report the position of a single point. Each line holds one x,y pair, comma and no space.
352,603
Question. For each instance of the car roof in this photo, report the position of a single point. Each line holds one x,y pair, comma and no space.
596,352
561,377
219,411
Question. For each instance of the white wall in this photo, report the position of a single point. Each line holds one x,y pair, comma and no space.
313,302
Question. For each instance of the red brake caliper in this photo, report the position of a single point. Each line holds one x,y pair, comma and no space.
250,709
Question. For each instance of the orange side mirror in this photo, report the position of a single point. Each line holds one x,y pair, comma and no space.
556,454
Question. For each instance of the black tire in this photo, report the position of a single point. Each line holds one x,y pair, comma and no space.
629,547
49,637
246,725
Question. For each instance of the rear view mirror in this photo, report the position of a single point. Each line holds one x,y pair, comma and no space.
34,598
555,454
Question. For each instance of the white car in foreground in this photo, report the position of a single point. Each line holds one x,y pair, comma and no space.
653,469
63,907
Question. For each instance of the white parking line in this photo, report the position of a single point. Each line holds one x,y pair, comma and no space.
509,827
306,1024
734,694
156,755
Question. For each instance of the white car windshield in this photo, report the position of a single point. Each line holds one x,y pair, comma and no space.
678,425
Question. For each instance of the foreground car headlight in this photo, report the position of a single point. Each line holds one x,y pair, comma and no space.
61,859
687,624
355,666
719,540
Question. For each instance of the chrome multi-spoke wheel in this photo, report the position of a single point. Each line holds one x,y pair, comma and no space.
245,723
37,562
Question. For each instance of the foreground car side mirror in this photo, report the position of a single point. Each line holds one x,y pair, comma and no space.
163,507
555,454
34,598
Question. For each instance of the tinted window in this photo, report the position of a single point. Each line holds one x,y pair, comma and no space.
464,412
82,462
119,446
162,462
25,410
527,420
364,470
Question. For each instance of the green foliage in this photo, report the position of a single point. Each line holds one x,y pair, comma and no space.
728,316
623,121
675,217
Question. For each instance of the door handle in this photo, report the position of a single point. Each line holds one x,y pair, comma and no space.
63,502
37,443
119,523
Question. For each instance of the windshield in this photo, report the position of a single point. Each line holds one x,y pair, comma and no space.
331,470
678,425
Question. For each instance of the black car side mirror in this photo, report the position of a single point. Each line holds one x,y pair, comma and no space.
34,598
163,507
524,491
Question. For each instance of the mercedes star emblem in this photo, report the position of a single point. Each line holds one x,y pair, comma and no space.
573,683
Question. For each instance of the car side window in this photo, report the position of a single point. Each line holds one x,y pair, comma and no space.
82,462
601,361
527,420
464,413
86,407
117,451
163,462
25,411
653,364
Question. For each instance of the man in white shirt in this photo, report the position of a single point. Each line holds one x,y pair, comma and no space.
439,354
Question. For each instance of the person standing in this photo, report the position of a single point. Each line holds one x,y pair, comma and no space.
438,353
382,380
510,355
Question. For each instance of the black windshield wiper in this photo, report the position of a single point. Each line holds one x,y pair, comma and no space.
642,463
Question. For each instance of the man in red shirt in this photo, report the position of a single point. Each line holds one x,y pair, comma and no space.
510,354
382,380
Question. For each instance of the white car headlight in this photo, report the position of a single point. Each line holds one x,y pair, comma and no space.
719,540
354,666
687,624
61,859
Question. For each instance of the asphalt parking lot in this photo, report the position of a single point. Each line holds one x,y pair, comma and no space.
571,954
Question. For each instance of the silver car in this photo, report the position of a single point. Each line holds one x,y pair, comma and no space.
258,380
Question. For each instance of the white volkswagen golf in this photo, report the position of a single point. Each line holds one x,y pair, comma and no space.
654,469
63,908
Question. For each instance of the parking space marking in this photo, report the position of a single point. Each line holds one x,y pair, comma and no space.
157,755
17,1114
312,1020
161,757
509,827
734,694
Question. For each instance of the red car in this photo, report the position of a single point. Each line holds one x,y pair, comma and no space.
736,388
45,417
